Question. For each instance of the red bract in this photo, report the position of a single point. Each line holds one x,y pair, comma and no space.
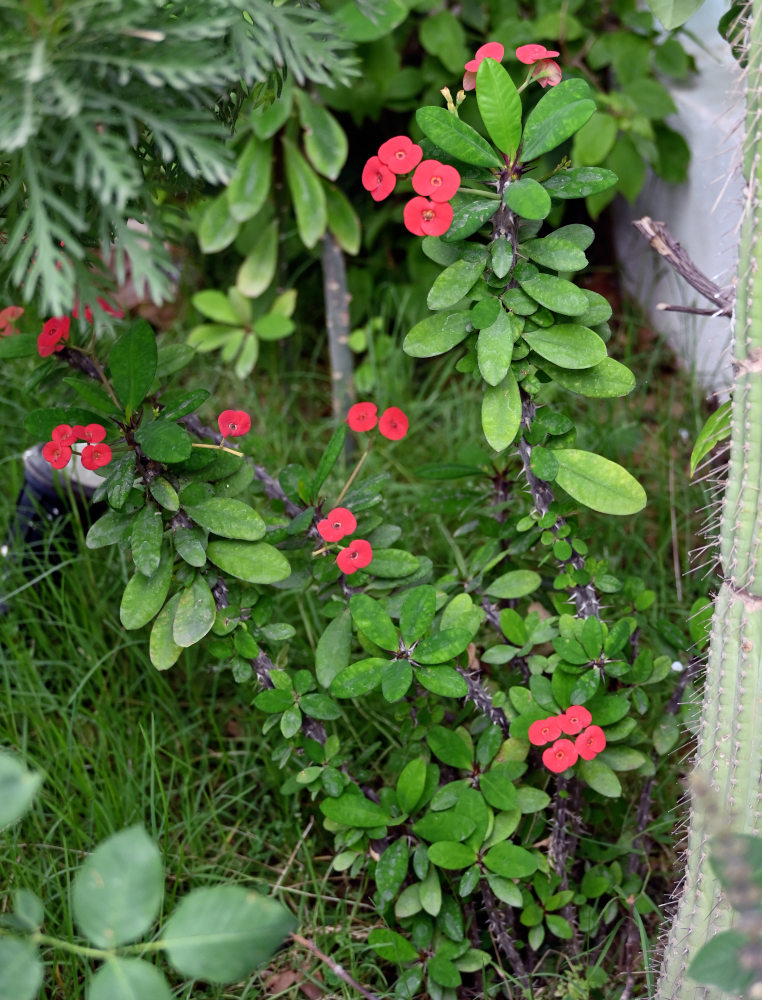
357,555
92,433
427,218
56,453
7,316
234,423
574,719
336,524
492,50
561,755
378,179
547,72
544,731
400,154
95,455
393,424
54,332
63,434
436,180
532,53
362,417
590,742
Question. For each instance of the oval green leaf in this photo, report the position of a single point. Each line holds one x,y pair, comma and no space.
229,518
499,105
514,584
556,116
454,282
527,198
128,979
353,809
437,334
568,345
607,379
256,562
510,860
359,678
501,412
598,483
144,595
456,138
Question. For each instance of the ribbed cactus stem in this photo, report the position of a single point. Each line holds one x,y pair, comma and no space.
729,750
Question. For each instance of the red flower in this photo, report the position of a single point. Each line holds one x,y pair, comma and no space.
378,179
63,434
400,154
56,453
547,73
545,731
590,742
561,755
336,524
436,180
95,455
533,53
7,316
234,423
362,417
54,332
492,50
574,719
357,555
393,424
427,218
92,433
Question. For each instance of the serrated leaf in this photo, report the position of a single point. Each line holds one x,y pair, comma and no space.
598,483
457,138
250,184
501,412
437,334
307,195
499,105
254,562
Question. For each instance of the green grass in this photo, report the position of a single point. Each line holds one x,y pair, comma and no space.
182,752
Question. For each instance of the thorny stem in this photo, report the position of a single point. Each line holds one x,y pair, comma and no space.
496,922
482,700
563,842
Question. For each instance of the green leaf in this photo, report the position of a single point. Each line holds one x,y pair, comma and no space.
227,517
332,653
194,614
600,778
556,294
256,562
18,787
448,747
451,855
514,584
443,36
391,946
396,680
218,227
430,893
325,141
448,825
567,345
598,483
146,539
579,182
371,619
164,441
532,800
357,26
215,305
666,734
411,783
716,429
393,564
527,198
132,364
343,221
117,892
250,184
258,268
391,867
621,758
602,381
443,681
359,678
144,595
556,116
595,140
497,788
22,969
673,14
20,345
494,348
510,860
456,138
454,282
220,934
163,649
437,334
94,395
110,529
501,412
442,646
164,493
417,614
499,105
470,213
352,809
329,458
556,253
190,545
307,195
128,979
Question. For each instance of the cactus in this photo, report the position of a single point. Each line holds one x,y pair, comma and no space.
729,750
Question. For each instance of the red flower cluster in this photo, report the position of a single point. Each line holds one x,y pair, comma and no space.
333,527
429,214
55,331
545,69
234,423
492,50
7,317
575,721
392,423
93,456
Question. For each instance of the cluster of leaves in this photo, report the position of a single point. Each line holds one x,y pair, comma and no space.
217,934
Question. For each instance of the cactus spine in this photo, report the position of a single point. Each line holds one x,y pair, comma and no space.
729,751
